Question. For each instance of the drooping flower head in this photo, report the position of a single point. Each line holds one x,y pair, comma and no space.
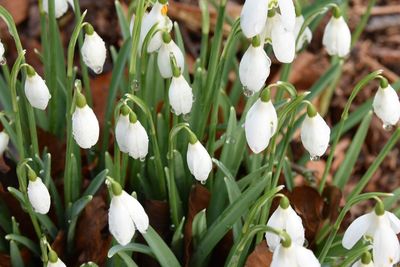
198,159
261,123
386,104
38,194
36,90
4,140
93,50
180,93
337,35
167,49
125,215
137,140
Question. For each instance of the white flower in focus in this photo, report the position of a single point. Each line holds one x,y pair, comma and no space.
125,215
39,196
288,14
283,39
4,140
337,37
260,125
387,105
180,95
93,50
60,7
254,67
137,140
85,126
253,17
382,226
36,90
198,160
315,133
293,256
167,48
305,37
285,218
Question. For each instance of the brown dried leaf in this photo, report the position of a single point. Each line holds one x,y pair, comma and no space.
17,8
260,257
332,198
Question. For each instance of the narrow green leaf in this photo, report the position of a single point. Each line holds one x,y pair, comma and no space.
25,242
131,247
16,258
79,205
127,259
123,22
96,183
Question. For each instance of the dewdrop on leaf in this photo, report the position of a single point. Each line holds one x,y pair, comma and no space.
93,50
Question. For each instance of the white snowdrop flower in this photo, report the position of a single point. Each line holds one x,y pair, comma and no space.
288,14
121,129
261,123
198,159
293,255
36,90
337,37
315,133
125,215
85,126
382,226
54,261
60,7
305,37
253,16
167,49
2,50
93,50
365,261
386,105
180,95
254,67
38,194
4,140
137,140
283,40
285,218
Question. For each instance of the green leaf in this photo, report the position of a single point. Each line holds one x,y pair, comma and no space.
96,183
161,250
123,22
16,259
25,242
47,224
79,205
127,259
199,227
177,239
18,195
131,247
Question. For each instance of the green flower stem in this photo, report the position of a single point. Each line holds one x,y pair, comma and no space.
160,177
340,218
359,86
205,30
361,25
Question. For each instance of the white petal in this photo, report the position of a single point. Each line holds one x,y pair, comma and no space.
85,127
305,37
288,14
137,141
305,257
58,263
277,221
315,135
39,196
294,226
121,133
337,37
136,212
386,247
356,230
253,17
119,221
164,62
360,264
94,52
394,222
199,161
260,125
36,92
387,105
283,42
180,96
4,140
254,68
2,50
284,257
60,7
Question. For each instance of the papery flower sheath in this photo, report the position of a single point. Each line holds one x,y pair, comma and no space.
85,126
285,218
253,16
93,50
337,37
4,140
198,160
386,105
125,215
38,194
36,90
261,123
167,49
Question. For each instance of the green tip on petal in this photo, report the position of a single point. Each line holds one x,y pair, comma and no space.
166,37
53,258
337,13
256,41
116,188
284,203
266,95
192,138
366,258
271,13
89,30
80,100
163,1
125,110
379,208
31,174
132,117
384,83
311,111
30,71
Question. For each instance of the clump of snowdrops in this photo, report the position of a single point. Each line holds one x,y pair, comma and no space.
167,128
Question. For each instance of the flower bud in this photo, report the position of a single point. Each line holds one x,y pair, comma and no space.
93,50
137,140
4,140
337,37
260,125
180,96
199,161
38,195
386,105
163,58
315,134
36,91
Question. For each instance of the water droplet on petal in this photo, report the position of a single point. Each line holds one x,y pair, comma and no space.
203,182
247,92
172,226
3,61
135,85
194,98
142,159
314,158
186,117
387,127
